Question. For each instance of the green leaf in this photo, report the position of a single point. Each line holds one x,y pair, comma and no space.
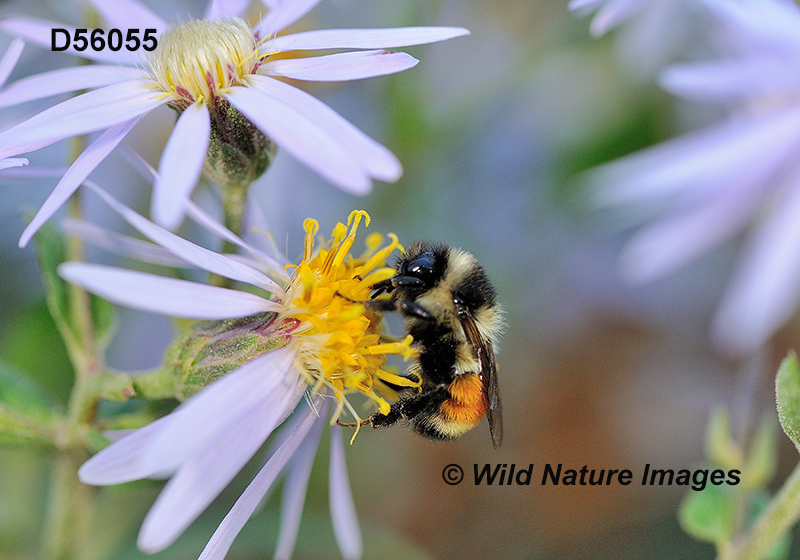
762,458
26,411
787,392
720,447
709,515
31,343
51,251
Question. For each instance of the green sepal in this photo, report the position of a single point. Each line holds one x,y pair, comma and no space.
238,152
709,515
209,350
787,393
27,413
762,458
721,449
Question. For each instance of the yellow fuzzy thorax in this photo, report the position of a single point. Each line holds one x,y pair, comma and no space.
340,338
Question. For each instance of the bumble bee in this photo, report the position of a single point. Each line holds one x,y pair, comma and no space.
451,311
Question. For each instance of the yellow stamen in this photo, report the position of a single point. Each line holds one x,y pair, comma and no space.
340,337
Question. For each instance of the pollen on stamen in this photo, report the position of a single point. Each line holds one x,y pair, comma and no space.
341,340
197,58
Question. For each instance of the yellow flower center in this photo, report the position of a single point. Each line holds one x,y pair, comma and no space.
340,338
197,58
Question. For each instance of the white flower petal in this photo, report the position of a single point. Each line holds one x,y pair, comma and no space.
202,218
122,244
38,31
12,162
702,161
343,511
672,242
301,136
764,292
65,80
85,113
612,13
340,67
225,9
77,173
373,157
199,256
574,5
14,172
128,14
129,458
282,14
10,59
730,80
770,26
165,296
220,404
257,232
223,537
181,165
138,163
197,482
121,462
294,490
362,38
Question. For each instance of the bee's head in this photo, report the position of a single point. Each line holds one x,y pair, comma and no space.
421,267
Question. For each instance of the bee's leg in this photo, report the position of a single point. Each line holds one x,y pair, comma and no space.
352,424
381,305
379,420
413,309
408,408
384,286
406,307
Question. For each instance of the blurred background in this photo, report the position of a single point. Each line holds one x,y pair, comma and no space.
493,131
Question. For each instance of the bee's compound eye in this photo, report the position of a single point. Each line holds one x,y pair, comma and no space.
422,266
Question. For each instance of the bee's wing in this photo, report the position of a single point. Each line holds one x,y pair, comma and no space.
488,375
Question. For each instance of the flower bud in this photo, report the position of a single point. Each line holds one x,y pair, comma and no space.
238,152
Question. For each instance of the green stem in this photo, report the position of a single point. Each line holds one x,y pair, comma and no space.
152,385
84,354
70,504
68,512
782,512
233,203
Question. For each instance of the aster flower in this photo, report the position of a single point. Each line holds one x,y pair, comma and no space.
652,31
739,175
219,74
312,339
609,13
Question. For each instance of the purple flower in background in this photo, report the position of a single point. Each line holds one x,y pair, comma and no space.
652,32
740,175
